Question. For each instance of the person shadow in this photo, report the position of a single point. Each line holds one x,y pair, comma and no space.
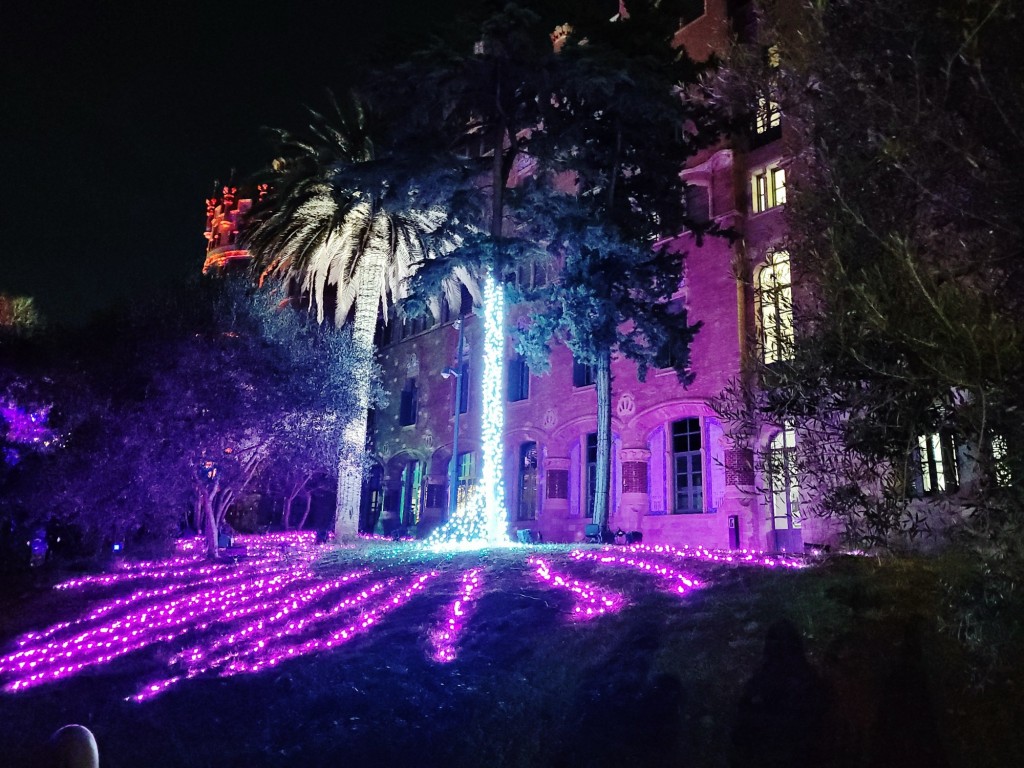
905,732
784,709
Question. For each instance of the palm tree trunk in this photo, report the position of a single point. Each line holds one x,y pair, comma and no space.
603,375
353,450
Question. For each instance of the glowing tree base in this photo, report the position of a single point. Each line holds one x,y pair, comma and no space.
474,524
482,520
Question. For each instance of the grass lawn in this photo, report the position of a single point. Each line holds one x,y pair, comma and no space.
837,664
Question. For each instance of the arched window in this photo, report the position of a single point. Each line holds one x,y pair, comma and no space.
688,466
775,308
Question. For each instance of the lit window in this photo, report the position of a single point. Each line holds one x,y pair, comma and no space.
467,476
783,488
1000,462
936,454
688,466
767,116
768,188
409,503
775,307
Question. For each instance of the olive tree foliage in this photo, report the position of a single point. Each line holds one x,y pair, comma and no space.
905,239
321,364
169,411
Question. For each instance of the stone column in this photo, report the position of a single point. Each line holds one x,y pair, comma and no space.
635,501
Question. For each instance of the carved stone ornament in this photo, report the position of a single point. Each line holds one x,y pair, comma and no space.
626,406
550,418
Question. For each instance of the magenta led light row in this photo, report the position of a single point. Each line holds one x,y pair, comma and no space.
739,556
241,594
147,626
296,608
680,583
591,600
258,640
273,654
444,638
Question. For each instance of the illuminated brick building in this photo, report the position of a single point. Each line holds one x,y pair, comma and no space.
676,477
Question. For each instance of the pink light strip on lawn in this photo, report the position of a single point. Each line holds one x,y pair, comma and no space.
681,583
274,654
258,642
739,556
142,627
296,606
444,638
270,648
591,600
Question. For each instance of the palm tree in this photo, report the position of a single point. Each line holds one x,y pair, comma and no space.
335,222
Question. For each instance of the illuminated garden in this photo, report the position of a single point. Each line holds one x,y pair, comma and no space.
584,388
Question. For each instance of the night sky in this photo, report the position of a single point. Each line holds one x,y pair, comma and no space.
116,118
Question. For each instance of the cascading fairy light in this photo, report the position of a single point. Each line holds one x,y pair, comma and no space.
481,519
492,430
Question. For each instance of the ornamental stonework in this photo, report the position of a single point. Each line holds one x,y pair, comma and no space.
626,406
634,477
739,466
550,418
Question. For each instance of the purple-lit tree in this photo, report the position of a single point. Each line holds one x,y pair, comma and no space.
146,398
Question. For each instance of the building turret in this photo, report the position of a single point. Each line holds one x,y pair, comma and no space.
224,212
